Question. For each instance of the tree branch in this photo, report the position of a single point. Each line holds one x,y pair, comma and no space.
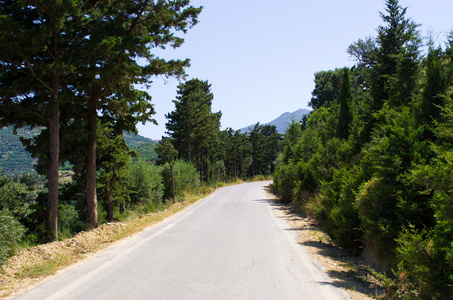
31,69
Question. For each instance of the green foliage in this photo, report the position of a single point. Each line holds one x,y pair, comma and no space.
187,178
79,63
426,254
266,143
146,185
113,161
166,151
14,198
339,212
11,232
345,114
145,152
237,153
68,218
192,126
136,141
327,87
382,184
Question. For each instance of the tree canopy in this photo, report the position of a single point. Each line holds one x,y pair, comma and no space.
371,163
63,62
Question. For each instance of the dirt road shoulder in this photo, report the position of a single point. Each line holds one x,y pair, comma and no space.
349,272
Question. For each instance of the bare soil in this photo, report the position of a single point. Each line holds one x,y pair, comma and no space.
346,271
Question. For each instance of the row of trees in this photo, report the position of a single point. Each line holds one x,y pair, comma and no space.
145,189
373,161
129,183
194,132
71,67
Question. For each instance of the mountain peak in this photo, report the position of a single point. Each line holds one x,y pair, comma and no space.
283,120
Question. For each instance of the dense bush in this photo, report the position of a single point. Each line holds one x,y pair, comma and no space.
11,232
187,178
384,186
146,187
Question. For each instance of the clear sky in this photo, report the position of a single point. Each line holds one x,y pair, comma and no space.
260,56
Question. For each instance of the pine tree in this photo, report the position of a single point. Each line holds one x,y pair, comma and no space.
398,57
389,64
192,126
345,117
34,60
83,55
168,154
435,85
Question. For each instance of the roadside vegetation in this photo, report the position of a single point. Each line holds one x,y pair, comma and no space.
372,162
74,88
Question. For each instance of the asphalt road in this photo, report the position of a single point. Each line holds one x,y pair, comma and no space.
228,246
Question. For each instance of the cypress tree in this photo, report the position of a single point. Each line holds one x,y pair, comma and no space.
345,117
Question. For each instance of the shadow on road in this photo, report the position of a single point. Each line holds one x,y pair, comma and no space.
344,268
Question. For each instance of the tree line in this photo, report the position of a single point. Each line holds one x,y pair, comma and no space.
194,132
373,160
71,70
71,67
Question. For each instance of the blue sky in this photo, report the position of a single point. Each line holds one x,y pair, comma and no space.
260,56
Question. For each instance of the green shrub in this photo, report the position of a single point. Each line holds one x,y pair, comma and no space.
146,185
67,221
11,232
187,178
338,212
13,196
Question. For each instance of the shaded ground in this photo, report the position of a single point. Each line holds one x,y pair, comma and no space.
349,272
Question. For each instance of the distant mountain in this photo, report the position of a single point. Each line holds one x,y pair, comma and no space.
14,160
135,140
283,120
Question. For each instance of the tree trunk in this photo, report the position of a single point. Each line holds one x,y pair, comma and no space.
111,206
189,153
122,204
54,153
201,164
92,205
173,182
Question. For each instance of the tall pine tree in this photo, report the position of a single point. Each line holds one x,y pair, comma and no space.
192,126
345,117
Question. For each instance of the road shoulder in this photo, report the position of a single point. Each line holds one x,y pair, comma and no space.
351,273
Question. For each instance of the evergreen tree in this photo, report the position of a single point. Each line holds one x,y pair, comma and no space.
113,36
85,53
113,157
37,42
345,116
168,153
436,83
192,126
327,87
389,64
266,143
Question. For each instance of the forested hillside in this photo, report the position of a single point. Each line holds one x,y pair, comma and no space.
15,160
373,162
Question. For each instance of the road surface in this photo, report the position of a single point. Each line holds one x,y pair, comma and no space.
228,246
